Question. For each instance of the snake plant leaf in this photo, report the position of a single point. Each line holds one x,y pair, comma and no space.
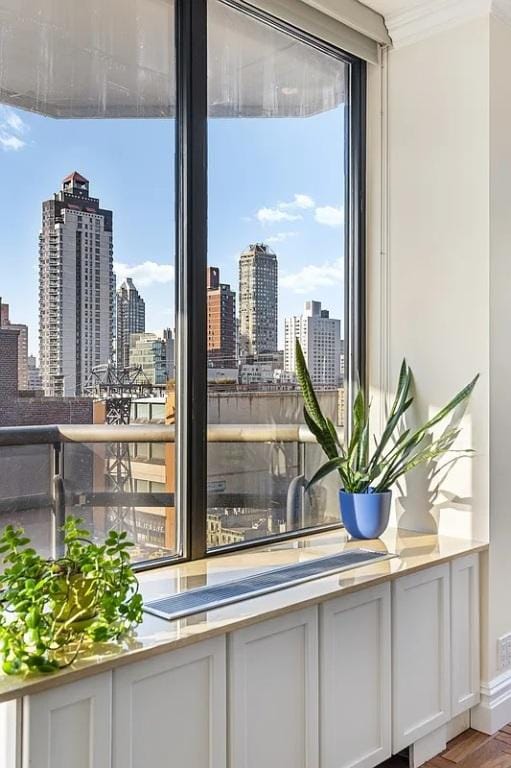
462,396
312,411
401,404
359,418
329,466
308,394
363,447
432,450
322,435
333,432
311,424
399,449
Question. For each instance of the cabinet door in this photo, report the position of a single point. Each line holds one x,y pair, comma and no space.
355,694
10,732
421,654
69,725
273,693
170,710
465,676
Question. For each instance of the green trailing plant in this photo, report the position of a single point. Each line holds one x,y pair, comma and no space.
399,449
51,609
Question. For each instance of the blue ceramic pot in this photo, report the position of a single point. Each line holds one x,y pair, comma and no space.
365,515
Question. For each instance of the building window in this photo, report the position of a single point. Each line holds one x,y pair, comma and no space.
264,131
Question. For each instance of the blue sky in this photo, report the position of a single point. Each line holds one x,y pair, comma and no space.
279,181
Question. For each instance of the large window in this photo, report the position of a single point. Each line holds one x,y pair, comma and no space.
181,197
278,110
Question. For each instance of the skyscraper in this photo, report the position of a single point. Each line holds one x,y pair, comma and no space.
148,351
258,297
320,338
34,375
76,288
22,330
170,355
130,318
221,322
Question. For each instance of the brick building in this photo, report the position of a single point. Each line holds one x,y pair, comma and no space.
221,322
22,330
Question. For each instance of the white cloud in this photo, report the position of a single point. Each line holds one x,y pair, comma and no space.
280,237
329,215
273,215
9,142
314,276
147,273
299,201
12,126
281,212
14,121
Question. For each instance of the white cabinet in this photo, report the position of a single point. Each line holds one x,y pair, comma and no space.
273,693
10,723
465,678
341,685
355,679
69,725
170,710
420,654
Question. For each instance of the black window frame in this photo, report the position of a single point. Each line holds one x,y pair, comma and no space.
191,209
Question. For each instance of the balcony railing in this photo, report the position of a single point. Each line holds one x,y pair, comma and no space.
81,469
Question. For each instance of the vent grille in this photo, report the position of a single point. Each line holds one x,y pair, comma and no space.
207,598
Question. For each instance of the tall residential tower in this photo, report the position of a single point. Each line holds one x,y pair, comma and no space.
130,318
258,297
76,288
320,338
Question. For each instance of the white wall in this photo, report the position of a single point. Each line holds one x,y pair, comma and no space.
439,274
437,310
499,561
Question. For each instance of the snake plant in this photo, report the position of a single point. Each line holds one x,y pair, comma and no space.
399,448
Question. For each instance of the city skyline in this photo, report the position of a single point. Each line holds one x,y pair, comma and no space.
297,211
85,323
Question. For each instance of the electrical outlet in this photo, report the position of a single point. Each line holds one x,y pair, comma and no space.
504,651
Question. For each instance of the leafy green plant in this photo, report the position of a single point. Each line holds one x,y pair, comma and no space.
50,609
399,448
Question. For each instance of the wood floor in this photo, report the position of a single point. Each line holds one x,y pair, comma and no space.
469,750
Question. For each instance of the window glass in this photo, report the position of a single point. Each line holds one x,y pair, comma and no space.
87,105
276,132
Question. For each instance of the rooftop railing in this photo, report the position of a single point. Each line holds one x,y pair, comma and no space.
63,494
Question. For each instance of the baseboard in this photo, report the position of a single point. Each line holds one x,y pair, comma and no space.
457,725
494,709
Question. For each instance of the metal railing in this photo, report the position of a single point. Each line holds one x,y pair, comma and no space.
58,498
152,433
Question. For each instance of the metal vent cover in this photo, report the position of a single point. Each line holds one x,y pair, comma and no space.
207,598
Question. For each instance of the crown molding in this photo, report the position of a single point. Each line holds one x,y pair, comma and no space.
432,16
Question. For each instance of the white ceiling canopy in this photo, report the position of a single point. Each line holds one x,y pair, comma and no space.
115,59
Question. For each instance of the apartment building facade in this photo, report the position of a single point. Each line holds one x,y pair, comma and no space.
76,288
320,339
258,297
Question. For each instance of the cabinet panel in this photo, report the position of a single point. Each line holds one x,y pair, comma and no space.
10,733
170,710
421,654
465,677
355,685
273,693
69,725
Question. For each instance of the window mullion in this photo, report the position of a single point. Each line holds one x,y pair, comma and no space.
355,303
191,261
